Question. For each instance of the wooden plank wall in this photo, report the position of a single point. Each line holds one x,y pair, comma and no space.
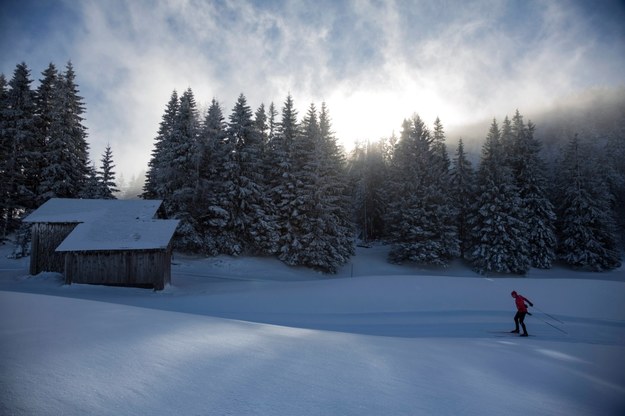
46,238
126,268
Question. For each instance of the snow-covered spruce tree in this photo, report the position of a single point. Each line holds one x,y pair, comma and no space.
442,209
506,141
180,179
5,151
529,172
265,126
367,175
304,221
155,175
586,227
106,175
215,159
66,154
420,217
462,187
388,148
19,164
261,124
211,216
439,148
92,188
357,182
46,112
614,152
281,180
498,242
334,196
45,97
320,229
251,219
272,122
404,210
270,130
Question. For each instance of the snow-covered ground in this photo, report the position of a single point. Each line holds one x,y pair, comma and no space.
250,336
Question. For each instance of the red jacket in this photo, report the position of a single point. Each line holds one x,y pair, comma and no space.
520,303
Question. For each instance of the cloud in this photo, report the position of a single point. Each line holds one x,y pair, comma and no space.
373,62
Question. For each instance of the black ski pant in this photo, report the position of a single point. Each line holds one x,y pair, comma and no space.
518,319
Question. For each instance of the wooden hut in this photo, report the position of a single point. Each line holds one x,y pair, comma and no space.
46,237
55,220
125,253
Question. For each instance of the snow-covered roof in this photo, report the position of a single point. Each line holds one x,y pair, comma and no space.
131,234
65,210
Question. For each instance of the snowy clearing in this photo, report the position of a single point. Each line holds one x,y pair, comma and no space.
250,336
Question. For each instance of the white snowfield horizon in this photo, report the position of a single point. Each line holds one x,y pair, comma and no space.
251,336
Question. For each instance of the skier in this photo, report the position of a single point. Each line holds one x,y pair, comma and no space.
521,312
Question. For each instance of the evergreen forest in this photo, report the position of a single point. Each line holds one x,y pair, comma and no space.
272,182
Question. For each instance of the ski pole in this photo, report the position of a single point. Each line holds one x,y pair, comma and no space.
552,317
553,326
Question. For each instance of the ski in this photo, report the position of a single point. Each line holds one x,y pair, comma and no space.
508,333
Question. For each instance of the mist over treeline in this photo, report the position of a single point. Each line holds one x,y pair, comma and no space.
594,115
505,195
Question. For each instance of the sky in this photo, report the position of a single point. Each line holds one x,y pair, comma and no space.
373,62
